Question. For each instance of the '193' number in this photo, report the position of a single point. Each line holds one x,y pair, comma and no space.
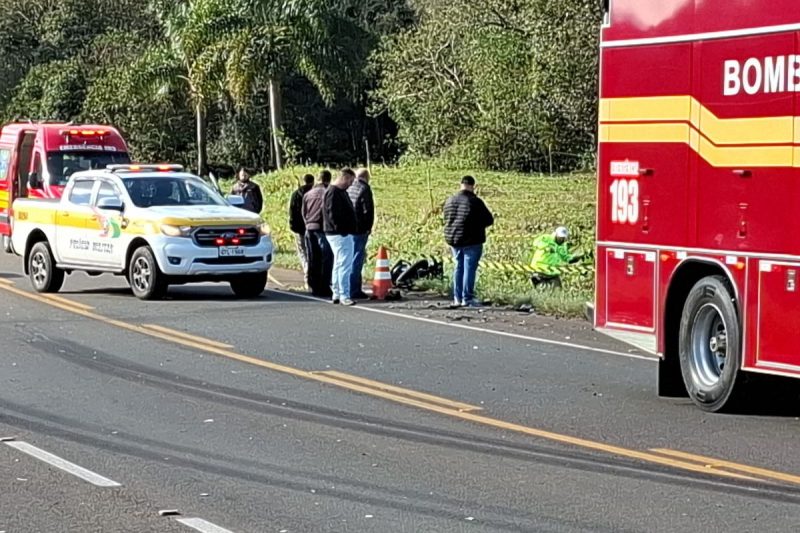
625,201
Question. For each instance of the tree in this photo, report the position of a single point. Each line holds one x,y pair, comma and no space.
270,40
507,84
185,62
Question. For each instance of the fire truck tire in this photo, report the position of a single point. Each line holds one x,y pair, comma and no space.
249,285
146,279
711,346
44,274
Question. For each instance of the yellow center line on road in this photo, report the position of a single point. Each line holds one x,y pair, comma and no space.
4,281
430,398
186,336
710,462
578,442
66,301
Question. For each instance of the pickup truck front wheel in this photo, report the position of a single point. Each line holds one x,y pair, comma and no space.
249,285
144,276
45,275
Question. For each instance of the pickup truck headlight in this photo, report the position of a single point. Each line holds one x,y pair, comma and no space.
175,231
264,229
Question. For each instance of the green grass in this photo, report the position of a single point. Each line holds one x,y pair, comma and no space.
409,208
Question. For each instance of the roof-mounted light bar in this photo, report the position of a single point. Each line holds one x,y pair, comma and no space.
80,132
145,168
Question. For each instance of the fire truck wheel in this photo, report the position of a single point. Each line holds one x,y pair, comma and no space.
711,345
146,279
45,275
249,285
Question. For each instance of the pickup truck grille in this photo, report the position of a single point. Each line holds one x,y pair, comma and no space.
216,237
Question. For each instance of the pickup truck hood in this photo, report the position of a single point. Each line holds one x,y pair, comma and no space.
203,215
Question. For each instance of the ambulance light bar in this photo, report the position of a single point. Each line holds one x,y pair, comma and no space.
145,168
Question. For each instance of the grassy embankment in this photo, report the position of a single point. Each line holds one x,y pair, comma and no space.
409,202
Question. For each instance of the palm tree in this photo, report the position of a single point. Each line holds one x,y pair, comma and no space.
186,61
273,38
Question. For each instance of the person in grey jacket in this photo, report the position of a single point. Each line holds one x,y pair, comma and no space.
361,195
320,257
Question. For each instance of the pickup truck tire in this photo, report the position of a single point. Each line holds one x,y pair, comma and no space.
45,275
146,279
249,285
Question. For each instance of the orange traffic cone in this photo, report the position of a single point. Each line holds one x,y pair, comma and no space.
382,283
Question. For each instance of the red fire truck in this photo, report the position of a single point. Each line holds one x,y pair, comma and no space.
37,159
698,259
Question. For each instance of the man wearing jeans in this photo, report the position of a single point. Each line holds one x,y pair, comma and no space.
466,218
364,205
339,220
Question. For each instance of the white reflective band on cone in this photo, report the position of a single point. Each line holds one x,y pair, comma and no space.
382,276
383,263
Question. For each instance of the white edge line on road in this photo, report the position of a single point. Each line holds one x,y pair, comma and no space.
203,526
275,281
562,344
62,464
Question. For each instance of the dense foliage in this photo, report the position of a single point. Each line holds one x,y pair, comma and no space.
502,84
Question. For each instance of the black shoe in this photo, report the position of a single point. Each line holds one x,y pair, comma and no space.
335,301
361,296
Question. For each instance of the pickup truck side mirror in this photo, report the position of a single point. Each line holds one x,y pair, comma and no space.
111,204
34,180
235,201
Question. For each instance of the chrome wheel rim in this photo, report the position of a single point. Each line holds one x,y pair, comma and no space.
709,346
141,274
39,270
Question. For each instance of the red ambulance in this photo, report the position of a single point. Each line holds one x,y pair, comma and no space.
37,159
699,186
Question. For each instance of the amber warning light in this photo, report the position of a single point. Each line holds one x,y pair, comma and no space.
84,133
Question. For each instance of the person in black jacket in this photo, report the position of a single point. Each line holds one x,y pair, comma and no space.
250,191
340,225
361,195
296,222
466,218
320,258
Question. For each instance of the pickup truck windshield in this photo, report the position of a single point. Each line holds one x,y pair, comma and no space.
61,165
167,191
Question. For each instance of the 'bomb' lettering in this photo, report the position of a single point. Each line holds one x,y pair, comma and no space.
774,74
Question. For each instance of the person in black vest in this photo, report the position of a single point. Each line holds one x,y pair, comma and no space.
320,258
297,224
466,218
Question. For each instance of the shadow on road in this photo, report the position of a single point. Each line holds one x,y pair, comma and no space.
186,294
770,396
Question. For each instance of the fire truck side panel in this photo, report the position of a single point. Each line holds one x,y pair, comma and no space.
745,153
644,173
631,276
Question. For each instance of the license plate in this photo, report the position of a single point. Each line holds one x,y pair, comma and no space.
231,251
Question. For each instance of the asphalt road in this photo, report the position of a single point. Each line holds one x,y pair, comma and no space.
286,414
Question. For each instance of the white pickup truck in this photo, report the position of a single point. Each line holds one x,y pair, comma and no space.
155,224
